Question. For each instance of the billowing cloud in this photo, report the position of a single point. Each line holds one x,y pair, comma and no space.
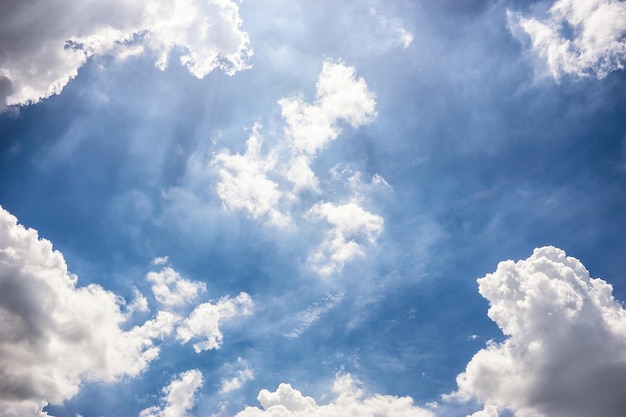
349,400
565,351
204,321
351,227
577,37
54,334
171,289
179,396
43,44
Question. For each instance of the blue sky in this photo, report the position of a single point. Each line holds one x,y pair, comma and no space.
285,208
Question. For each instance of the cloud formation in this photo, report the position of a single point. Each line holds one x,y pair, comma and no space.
42,45
266,184
577,37
54,334
349,400
352,227
204,321
171,289
565,352
179,396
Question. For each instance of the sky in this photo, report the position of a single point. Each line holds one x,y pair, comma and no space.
217,208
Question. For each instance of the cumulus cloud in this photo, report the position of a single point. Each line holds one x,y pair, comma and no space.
577,37
171,289
204,321
340,97
244,182
565,351
43,44
54,334
352,227
179,396
349,400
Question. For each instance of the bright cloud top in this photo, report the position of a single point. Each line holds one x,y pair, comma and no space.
179,396
565,354
41,49
349,400
54,334
578,37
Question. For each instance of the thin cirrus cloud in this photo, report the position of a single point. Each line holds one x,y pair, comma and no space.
206,34
579,38
565,351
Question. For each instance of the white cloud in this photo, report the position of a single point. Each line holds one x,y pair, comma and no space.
349,400
565,352
171,289
54,334
179,396
578,37
204,321
43,44
340,97
241,376
244,182
351,228
488,411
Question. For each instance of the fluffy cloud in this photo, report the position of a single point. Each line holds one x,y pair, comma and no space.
43,44
340,97
179,396
565,352
171,289
54,334
244,182
351,228
204,321
578,37
349,400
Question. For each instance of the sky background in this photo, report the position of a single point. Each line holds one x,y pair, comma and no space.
290,208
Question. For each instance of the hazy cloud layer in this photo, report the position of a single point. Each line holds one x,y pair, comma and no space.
577,37
54,334
349,400
565,352
43,44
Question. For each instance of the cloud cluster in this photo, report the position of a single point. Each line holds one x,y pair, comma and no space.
349,400
53,334
43,44
565,352
578,37
266,184
179,396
